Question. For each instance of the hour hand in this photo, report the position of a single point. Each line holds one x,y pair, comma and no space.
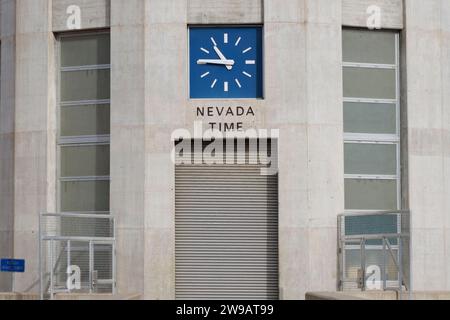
216,61
222,57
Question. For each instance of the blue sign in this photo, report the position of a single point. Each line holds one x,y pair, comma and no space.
226,62
12,265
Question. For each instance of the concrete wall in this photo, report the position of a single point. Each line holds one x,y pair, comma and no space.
35,139
354,13
94,13
149,82
298,36
156,104
427,39
128,138
217,11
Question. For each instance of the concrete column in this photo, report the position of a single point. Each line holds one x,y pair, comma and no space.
128,140
35,138
303,56
427,64
165,107
7,106
445,69
325,139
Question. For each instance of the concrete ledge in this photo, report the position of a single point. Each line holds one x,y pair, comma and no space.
378,295
64,296
330,296
18,296
74,296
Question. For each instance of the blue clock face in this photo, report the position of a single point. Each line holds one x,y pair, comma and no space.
225,62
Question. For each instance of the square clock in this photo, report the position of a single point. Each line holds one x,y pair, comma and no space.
225,62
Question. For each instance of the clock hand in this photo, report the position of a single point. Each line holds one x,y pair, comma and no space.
222,57
216,61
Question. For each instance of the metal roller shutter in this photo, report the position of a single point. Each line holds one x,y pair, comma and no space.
226,232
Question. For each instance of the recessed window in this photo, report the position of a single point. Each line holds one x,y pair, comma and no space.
371,120
84,125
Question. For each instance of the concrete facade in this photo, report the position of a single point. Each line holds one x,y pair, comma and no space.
149,100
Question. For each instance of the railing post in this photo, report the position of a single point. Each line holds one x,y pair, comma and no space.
91,265
363,264
69,248
41,292
384,264
400,266
114,267
51,269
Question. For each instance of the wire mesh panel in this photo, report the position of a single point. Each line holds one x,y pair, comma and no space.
77,254
77,225
103,267
374,251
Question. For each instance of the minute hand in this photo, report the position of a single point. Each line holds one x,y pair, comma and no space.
222,57
216,61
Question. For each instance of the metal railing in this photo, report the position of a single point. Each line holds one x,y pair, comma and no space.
374,251
76,253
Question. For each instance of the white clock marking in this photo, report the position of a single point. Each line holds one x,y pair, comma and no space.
249,61
225,38
247,74
204,75
204,50
247,50
214,83
225,86
237,42
214,41
238,83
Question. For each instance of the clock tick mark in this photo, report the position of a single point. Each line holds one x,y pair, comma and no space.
204,50
249,61
247,50
238,83
237,41
225,38
247,74
214,83
204,75
225,86
214,41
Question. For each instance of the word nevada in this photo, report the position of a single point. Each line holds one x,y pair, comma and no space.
225,112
